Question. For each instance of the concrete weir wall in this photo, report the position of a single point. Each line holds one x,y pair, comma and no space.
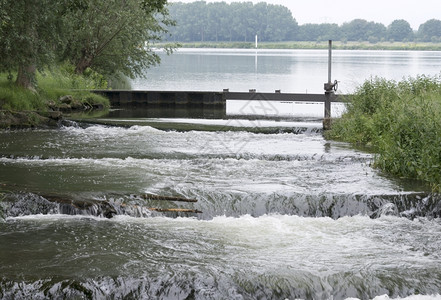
121,98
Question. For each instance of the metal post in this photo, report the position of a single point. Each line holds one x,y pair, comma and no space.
329,90
329,62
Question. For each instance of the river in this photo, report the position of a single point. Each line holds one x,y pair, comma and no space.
280,214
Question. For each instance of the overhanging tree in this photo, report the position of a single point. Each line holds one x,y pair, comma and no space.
29,29
111,36
114,36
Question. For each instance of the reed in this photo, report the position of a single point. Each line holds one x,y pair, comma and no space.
401,121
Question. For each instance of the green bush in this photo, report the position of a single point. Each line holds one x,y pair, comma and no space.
401,121
52,84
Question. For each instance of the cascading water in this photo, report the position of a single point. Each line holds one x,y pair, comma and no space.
285,214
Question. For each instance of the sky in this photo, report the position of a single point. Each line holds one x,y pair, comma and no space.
415,12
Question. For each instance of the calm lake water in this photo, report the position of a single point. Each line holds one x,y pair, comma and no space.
283,213
292,71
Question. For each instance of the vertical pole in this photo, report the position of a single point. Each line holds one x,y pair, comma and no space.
328,90
255,55
330,62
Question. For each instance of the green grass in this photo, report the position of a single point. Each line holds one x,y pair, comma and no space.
14,98
401,121
317,45
51,85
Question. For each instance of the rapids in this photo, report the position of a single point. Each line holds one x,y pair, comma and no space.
285,215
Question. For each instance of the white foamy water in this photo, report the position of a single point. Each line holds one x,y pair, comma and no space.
284,215
299,255
142,157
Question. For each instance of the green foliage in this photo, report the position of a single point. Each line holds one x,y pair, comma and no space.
109,36
318,32
117,41
13,97
362,30
119,82
202,21
318,45
399,30
62,80
63,77
430,31
400,121
29,31
59,81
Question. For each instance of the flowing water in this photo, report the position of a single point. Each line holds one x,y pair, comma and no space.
281,213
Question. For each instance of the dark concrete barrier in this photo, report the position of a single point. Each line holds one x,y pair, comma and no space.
120,98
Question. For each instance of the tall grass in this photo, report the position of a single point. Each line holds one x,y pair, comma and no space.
51,85
401,121
15,98
315,45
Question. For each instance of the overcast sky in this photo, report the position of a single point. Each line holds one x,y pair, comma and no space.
415,12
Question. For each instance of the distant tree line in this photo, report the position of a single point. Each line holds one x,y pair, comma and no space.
241,21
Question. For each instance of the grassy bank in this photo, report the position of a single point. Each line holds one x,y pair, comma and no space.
318,45
401,121
24,108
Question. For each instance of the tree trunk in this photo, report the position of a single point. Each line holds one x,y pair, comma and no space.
82,65
84,62
26,77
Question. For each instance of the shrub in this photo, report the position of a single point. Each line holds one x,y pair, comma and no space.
56,82
401,121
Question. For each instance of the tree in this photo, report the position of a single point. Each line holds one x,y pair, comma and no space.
362,30
375,31
109,35
318,32
29,29
113,36
430,31
216,23
238,21
399,30
281,25
241,24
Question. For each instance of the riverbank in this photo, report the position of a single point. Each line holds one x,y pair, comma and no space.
338,45
57,93
29,119
50,116
401,122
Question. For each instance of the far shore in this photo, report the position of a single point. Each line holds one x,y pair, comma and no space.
338,45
